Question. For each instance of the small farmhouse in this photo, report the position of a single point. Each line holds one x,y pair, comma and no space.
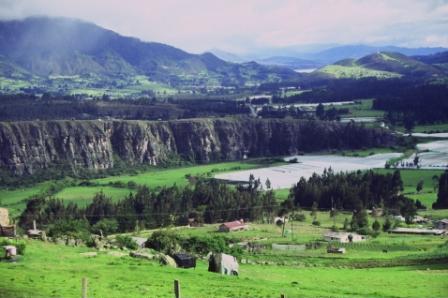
237,225
343,237
442,224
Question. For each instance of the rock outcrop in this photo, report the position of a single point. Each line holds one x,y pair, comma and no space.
29,146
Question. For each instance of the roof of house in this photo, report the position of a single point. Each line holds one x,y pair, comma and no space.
234,224
445,221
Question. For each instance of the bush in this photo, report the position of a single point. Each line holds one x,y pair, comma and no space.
132,185
376,226
364,231
106,225
78,229
387,225
203,245
126,241
316,222
164,241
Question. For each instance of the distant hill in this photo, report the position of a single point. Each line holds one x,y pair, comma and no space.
383,65
60,53
335,54
298,57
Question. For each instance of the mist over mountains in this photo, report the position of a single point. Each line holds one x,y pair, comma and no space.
41,47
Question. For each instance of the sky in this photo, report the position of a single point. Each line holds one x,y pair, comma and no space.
243,26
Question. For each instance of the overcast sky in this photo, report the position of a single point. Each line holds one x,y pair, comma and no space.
245,25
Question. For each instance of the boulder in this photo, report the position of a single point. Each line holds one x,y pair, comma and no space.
141,255
90,254
117,254
167,260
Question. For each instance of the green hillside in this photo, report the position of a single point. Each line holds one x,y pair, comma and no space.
382,65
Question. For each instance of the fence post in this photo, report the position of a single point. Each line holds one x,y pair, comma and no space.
84,287
282,296
176,288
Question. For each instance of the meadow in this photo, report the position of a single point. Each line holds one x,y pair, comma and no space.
71,191
50,270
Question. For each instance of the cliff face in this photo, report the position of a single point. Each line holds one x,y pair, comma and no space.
28,146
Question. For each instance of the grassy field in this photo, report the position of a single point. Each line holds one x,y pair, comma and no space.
82,195
363,108
50,270
15,200
411,178
158,178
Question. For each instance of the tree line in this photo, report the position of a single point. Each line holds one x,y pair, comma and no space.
354,191
208,201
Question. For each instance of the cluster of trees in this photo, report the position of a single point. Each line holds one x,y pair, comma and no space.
415,105
354,191
208,201
329,114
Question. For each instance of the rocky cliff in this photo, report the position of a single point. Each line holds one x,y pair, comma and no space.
26,146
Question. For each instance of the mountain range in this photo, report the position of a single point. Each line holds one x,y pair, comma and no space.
297,59
70,53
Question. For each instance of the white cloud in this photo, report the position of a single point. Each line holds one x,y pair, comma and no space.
236,25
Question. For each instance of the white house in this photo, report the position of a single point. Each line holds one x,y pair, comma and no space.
344,237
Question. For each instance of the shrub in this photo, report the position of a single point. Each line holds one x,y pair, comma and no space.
163,241
387,225
203,245
106,225
376,226
126,241
316,222
132,185
78,229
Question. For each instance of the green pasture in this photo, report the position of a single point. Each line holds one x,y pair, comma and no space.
50,270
